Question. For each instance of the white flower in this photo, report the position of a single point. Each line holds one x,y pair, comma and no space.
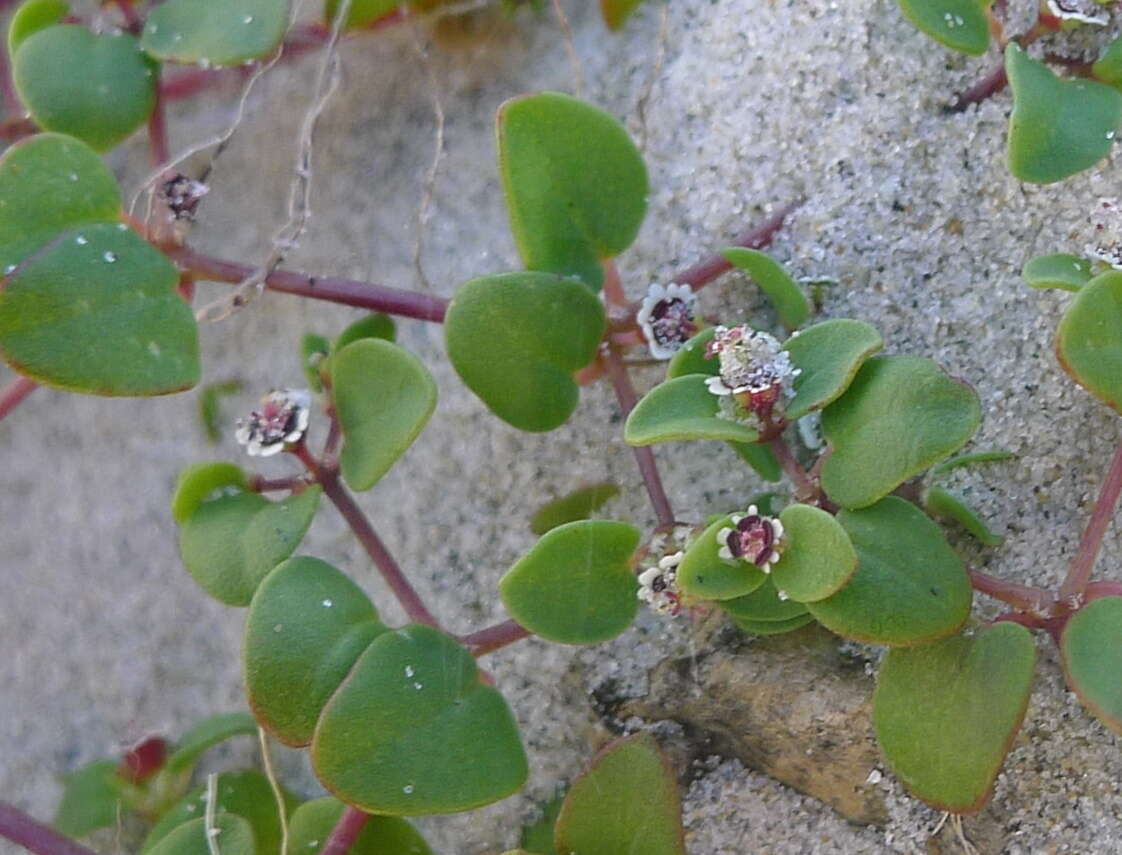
754,369
753,538
1084,11
1107,222
666,317
658,585
281,421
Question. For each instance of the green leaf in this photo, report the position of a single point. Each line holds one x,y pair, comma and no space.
1058,127
384,397
198,481
1091,646
1109,67
91,799
763,605
50,183
1089,338
246,795
973,459
946,713
96,311
537,838
627,802
616,12
900,415
311,824
961,25
910,587
206,734
690,357
575,585
362,12
32,16
306,626
1063,271
515,339
790,303
235,837
575,185
213,34
210,400
761,458
376,325
940,503
682,408
818,559
772,627
96,87
704,575
580,504
828,355
314,349
230,543
413,731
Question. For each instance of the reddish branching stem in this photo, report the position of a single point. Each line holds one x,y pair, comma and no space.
345,832
806,490
644,456
1024,598
755,238
494,637
349,292
997,80
274,485
1079,573
158,133
21,829
391,572
12,395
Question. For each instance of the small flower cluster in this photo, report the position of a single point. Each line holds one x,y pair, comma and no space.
666,317
753,538
183,195
755,372
658,585
281,421
1107,222
1084,11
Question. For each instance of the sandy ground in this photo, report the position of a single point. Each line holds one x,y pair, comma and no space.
752,106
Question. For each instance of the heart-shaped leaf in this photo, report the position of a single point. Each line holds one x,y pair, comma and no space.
580,504
616,12
209,732
96,87
306,626
233,836
961,25
413,731
96,311
214,34
704,575
312,823
247,795
772,627
1091,646
900,415
515,339
91,799
682,408
384,397
230,543
1089,338
627,802
946,713
376,325
818,559
32,16
1063,271
576,585
828,356
198,481
910,587
790,303
763,605
575,185
1058,127
941,503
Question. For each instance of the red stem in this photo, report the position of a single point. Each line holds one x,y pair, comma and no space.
21,829
345,832
997,80
493,637
12,395
648,468
755,238
1079,573
272,485
349,292
158,133
1025,598
806,490
1102,589
406,595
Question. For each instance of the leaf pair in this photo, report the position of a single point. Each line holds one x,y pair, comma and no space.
398,720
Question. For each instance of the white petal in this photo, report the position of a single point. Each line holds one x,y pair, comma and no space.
270,450
725,553
717,386
752,511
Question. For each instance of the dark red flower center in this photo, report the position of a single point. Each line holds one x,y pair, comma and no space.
752,538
